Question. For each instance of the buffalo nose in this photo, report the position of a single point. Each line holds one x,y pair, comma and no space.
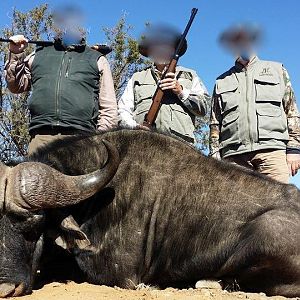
11,289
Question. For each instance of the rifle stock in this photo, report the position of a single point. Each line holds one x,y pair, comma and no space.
151,116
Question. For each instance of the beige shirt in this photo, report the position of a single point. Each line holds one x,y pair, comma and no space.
18,78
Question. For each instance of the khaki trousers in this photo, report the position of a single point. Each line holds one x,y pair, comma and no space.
41,140
268,162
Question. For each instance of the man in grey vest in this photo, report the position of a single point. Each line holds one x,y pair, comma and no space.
254,118
72,88
185,95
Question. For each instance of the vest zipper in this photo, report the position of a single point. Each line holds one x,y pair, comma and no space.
58,88
68,67
248,110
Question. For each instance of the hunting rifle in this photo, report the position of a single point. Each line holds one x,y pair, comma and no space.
104,49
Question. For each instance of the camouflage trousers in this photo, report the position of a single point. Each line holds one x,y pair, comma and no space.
271,163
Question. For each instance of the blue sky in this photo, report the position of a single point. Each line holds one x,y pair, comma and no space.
279,19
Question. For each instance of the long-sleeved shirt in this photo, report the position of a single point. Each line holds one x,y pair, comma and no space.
18,77
194,99
290,109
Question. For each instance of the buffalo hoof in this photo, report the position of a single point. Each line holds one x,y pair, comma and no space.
11,290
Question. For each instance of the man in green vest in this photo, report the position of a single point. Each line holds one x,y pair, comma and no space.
72,88
185,95
254,118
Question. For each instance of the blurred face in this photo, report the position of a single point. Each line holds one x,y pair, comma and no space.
69,20
242,40
161,54
243,48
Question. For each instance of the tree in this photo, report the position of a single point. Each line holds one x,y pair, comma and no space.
125,58
202,132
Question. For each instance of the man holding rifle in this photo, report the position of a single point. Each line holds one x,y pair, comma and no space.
184,95
72,87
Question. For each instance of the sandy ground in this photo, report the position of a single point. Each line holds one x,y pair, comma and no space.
84,291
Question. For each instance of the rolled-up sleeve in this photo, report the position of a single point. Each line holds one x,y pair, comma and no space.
214,124
196,98
126,107
292,114
17,72
108,108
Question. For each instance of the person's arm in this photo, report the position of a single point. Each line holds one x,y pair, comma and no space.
108,112
17,69
195,99
126,107
215,122
293,123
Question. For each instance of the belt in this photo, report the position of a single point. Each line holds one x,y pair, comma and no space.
49,130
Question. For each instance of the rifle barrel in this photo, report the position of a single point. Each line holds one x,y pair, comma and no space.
104,49
44,43
187,28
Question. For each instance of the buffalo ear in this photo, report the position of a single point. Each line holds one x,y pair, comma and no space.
71,236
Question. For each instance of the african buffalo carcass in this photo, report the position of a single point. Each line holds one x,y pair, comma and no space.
140,207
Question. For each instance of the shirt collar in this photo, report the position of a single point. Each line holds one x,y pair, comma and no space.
250,65
155,71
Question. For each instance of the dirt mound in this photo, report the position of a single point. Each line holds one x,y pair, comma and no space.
85,291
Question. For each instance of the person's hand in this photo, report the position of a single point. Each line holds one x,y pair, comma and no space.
216,155
293,161
143,127
95,47
171,83
18,44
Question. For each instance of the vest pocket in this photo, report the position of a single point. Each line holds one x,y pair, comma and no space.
144,92
228,90
142,107
271,121
230,129
267,89
268,110
141,110
180,122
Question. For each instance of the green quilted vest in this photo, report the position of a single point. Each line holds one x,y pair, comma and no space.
65,88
